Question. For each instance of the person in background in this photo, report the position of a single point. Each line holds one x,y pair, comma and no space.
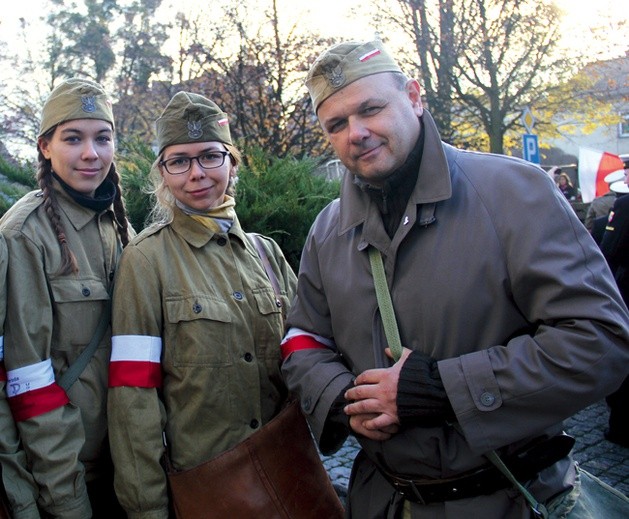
197,325
19,489
601,205
619,188
508,327
565,186
64,241
615,247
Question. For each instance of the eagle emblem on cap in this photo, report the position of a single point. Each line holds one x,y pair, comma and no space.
88,104
333,73
195,130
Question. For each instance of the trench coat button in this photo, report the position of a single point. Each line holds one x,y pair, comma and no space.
221,241
248,357
196,308
85,291
238,296
487,399
307,403
254,424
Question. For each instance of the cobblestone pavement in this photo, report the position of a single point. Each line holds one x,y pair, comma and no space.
608,461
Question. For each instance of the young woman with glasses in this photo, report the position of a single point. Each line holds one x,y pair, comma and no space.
197,325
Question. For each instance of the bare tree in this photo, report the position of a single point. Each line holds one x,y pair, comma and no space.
254,69
430,26
483,61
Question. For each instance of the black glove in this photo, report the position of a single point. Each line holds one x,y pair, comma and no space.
421,397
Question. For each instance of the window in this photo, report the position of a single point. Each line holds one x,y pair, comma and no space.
623,126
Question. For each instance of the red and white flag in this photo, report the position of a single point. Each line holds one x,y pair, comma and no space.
594,166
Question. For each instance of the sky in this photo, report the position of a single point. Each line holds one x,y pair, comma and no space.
580,15
329,18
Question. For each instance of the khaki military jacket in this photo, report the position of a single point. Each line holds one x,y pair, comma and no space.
204,304
19,486
491,273
600,206
50,320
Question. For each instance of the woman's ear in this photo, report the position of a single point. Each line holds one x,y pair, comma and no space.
44,146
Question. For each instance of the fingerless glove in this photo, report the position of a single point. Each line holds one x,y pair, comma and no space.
421,398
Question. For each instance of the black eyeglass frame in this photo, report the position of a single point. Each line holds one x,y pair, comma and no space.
164,164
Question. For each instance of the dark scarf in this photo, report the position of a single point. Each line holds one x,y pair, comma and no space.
103,196
392,197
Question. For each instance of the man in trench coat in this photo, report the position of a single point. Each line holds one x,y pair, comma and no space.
508,313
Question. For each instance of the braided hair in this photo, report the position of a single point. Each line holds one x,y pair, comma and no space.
51,206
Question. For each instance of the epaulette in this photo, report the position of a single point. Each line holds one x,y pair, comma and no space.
148,231
19,212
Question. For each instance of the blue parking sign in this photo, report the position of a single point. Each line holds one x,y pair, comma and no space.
530,150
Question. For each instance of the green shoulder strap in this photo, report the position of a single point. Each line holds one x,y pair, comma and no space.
393,337
70,375
384,303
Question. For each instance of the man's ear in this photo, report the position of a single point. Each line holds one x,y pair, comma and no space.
413,91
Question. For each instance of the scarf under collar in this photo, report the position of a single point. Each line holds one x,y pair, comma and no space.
218,219
104,195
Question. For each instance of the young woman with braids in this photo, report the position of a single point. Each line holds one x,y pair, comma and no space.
64,241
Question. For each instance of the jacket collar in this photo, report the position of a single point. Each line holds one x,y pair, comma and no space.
78,215
433,183
197,234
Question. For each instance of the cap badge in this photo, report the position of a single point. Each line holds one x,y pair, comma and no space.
195,130
88,104
333,73
223,121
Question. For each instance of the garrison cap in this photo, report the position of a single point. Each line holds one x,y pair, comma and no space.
75,98
343,64
191,118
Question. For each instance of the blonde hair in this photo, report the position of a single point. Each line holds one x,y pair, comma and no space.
162,211
566,176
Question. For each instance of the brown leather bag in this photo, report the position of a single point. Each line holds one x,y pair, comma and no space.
275,473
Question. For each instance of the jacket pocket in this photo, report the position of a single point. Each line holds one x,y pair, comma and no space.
78,305
198,331
266,302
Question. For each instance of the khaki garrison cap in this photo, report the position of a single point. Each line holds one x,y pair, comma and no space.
343,64
191,118
75,98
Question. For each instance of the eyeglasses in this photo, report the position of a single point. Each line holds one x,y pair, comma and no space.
181,165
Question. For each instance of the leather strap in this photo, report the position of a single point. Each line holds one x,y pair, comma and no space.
267,266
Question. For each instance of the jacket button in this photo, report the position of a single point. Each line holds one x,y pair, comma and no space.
196,308
221,241
278,303
487,399
238,296
307,404
254,424
85,291
248,357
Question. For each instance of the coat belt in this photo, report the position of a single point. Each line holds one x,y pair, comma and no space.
525,465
